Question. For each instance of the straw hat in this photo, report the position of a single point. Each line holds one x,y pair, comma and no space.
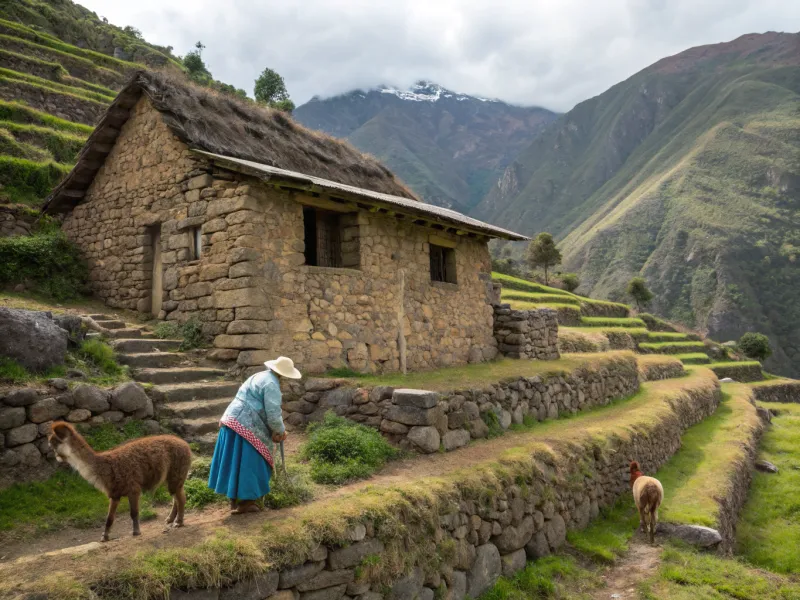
284,366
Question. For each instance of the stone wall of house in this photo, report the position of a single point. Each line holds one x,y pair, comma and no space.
27,413
250,286
425,421
15,220
526,333
455,538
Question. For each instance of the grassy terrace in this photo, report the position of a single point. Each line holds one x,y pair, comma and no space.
20,113
694,358
524,294
671,347
769,530
62,147
625,322
701,470
481,374
400,511
80,92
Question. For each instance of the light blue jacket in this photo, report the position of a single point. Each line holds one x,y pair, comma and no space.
257,407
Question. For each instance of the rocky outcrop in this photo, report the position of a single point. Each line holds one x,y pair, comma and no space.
32,339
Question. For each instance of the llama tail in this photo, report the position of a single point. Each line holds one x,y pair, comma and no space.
650,497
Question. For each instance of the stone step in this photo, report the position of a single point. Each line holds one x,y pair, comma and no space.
205,442
99,317
186,392
196,427
151,360
112,324
178,375
195,409
127,333
145,345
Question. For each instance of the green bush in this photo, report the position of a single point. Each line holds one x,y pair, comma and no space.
198,494
48,261
340,450
289,490
755,345
570,282
190,332
12,372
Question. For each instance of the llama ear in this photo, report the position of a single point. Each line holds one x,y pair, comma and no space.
61,431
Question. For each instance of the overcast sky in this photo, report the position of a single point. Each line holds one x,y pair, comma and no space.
551,53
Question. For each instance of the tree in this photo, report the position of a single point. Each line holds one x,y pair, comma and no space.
755,346
571,282
542,253
270,89
196,68
199,47
637,289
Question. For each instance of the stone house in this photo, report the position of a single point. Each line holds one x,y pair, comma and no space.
280,240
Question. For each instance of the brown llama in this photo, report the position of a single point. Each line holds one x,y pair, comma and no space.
648,495
128,470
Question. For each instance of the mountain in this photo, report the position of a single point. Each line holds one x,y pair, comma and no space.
687,173
448,147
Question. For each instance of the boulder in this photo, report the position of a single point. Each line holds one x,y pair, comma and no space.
79,415
455,439
514,538
408,587
29,455
331,593
457,590
23,397
151,427
411,415
556,532
485,571
418,398
326,579
262,586
291,577
764,414
129,397
537,547
73,325
91,398
350,556
48,409
696,535
32,339
425,438
514,562
11,417
766,467
22,435
58,383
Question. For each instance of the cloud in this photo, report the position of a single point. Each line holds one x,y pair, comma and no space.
551,53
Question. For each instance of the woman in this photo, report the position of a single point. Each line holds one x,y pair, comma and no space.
242,464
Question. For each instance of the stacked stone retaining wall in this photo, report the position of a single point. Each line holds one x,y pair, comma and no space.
455,537
27,413
784,391
15,220
526,333
427,421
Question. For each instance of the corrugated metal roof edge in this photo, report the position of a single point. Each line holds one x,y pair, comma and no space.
436,212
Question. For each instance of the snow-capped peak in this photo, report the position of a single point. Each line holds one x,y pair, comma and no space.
426,91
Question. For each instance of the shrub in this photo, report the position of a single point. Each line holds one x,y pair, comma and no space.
638,290
28,181
755,345
48,261
340,450
198,494
571,282
191,332
288,490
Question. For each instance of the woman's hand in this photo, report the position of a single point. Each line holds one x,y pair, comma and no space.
279,437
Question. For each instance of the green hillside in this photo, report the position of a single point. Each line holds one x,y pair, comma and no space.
688,174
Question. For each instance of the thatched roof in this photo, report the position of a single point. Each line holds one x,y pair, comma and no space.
231,128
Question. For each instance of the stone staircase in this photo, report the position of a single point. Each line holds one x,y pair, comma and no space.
191,393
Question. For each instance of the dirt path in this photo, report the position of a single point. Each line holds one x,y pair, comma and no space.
202,524
622,580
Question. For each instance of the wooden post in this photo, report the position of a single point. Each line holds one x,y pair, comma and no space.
401,338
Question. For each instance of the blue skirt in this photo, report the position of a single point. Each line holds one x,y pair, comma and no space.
237,469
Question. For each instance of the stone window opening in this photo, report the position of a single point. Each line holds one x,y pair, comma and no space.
331,239
195,243
443,264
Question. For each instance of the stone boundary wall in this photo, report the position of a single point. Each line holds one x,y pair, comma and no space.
27,413
62,105
785,391
740,373
457,536
599,309
427,421
730,506
15,220
526,333
661,369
